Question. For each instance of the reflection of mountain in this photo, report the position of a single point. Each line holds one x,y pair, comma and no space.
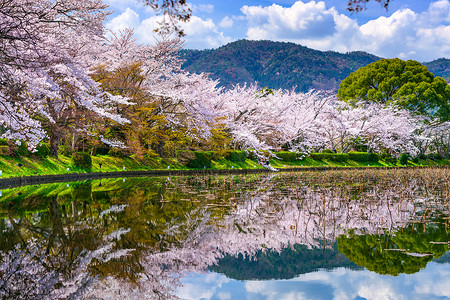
288,263
444,259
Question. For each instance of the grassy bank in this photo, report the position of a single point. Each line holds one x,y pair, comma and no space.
26,166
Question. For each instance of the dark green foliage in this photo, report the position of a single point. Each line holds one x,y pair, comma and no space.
408,84
275,65
118,153
373,157
415,159
404,158
434,156
290,156
3,142
359,156
363,156
101,150
236,155
341,157
327,151
82,160
389,158
43,150
202,160
65,150
287,156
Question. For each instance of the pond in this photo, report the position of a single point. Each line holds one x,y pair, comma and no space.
359,234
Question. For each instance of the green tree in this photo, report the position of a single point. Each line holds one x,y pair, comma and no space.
406,83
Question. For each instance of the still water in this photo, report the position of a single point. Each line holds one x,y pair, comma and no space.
364,234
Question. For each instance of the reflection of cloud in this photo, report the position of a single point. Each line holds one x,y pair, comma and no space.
405,33
431,283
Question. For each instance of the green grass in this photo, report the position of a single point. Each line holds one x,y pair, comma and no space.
34,166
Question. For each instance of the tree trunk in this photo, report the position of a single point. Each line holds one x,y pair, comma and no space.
55,137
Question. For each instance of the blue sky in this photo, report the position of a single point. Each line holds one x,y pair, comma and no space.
410,29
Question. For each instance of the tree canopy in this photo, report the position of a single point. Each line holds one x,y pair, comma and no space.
408,84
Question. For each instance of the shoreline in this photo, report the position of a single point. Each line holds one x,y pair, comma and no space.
11,182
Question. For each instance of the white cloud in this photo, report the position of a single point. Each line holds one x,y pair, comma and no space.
405,33
226,22
200,33
128,19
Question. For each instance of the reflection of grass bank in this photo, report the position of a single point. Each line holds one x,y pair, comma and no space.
26,166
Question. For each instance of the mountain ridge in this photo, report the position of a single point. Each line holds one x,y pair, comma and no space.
283,65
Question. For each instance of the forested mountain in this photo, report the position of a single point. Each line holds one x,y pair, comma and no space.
283,65
440,67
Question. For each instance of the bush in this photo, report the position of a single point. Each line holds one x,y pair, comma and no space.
287,156
202,160
118,153
3,142
415,159
434,156
359,156
389,158
65,150
101,151
236,155
341,157
404,158
327,151
373,157
43,150
82,160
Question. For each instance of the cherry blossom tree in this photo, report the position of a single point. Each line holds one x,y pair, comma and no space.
46,49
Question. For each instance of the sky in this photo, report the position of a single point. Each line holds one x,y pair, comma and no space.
409,29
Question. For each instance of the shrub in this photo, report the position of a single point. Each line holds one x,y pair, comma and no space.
101,150
236,155
287,156
82,160
43,150
415,159
434,156
4,150
404,158
65,150
3,142
331,156
373,157
389,158
202,160
118,153
327,151
359,156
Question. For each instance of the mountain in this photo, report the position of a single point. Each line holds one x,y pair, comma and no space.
283,65
440,67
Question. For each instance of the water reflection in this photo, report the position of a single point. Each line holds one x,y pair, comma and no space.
136,239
